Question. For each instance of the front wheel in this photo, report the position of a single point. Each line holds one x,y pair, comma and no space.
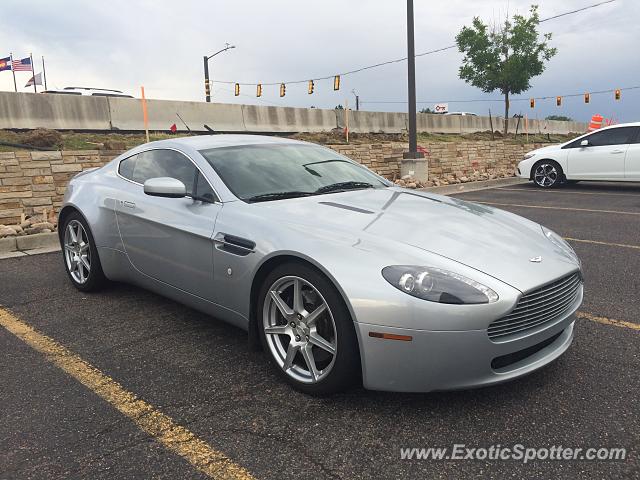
547,174
307,331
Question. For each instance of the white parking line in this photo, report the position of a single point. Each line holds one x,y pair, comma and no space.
596,242
617,212
569,192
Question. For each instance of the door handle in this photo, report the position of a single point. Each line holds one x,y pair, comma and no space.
129,204
617,151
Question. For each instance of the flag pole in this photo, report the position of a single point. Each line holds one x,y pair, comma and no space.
33,72
15,85
44,74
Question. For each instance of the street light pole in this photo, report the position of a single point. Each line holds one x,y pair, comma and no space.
207,85
411,71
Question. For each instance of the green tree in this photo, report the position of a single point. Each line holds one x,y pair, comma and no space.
504,58
426,110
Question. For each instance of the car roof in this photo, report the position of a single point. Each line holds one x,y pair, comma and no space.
631,124
203,142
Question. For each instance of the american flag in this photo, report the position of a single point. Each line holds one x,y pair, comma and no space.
23,65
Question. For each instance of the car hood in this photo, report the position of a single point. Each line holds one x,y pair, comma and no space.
546,149
498,243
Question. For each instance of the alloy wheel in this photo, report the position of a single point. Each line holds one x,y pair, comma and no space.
545,175
77,251
300,329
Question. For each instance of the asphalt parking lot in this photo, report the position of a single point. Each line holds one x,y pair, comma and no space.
198,373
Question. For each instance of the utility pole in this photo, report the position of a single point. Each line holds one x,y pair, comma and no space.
411,71
357,99
207,85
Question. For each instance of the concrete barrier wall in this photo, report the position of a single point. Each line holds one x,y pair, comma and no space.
64,112
68,112
286,119
373,122
126,114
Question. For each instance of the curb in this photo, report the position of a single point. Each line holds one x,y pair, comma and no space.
473,186
38,241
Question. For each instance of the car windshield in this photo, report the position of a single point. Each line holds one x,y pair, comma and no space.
271,172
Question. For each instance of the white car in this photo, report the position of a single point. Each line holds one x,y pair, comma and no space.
611,154
88,91
462,114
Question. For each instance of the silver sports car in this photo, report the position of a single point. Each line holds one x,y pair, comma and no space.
341,276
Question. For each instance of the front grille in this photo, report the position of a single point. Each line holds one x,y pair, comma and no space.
538,307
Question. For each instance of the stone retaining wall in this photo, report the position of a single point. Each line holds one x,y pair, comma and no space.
31,182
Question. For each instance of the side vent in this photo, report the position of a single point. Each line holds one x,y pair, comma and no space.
234,245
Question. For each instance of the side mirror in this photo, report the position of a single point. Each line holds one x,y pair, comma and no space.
584,143
165,187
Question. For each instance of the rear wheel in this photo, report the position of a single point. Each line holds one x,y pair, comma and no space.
307,331
80,254
547,174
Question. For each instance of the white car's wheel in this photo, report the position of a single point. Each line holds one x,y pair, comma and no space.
307,331
547,174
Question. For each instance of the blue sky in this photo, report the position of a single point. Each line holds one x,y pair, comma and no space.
160,44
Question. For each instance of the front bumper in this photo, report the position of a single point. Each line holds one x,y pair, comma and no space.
449,360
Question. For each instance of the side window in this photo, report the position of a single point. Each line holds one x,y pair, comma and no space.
126,167
613,136
165,163
637,139
203,189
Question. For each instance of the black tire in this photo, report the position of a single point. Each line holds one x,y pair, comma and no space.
345,370
547,174
94,278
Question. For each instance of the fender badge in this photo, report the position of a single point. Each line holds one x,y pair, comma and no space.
536,259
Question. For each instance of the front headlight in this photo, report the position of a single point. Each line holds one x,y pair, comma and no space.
437,285
561,243
529,155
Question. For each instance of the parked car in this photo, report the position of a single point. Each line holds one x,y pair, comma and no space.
94,92
340,275
611,154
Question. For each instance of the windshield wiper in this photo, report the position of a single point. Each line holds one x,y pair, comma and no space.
342,186
265,197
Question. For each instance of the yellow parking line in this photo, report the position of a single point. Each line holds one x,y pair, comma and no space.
553,208
569,192
624,245
162,428
608,321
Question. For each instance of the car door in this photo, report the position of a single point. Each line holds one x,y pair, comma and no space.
632,159
603,158
169,239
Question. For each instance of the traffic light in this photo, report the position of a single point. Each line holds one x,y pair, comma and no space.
259,90
283,89
336,82
587,98
558,101
532,103
311,85
207,87
237,89
618,94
